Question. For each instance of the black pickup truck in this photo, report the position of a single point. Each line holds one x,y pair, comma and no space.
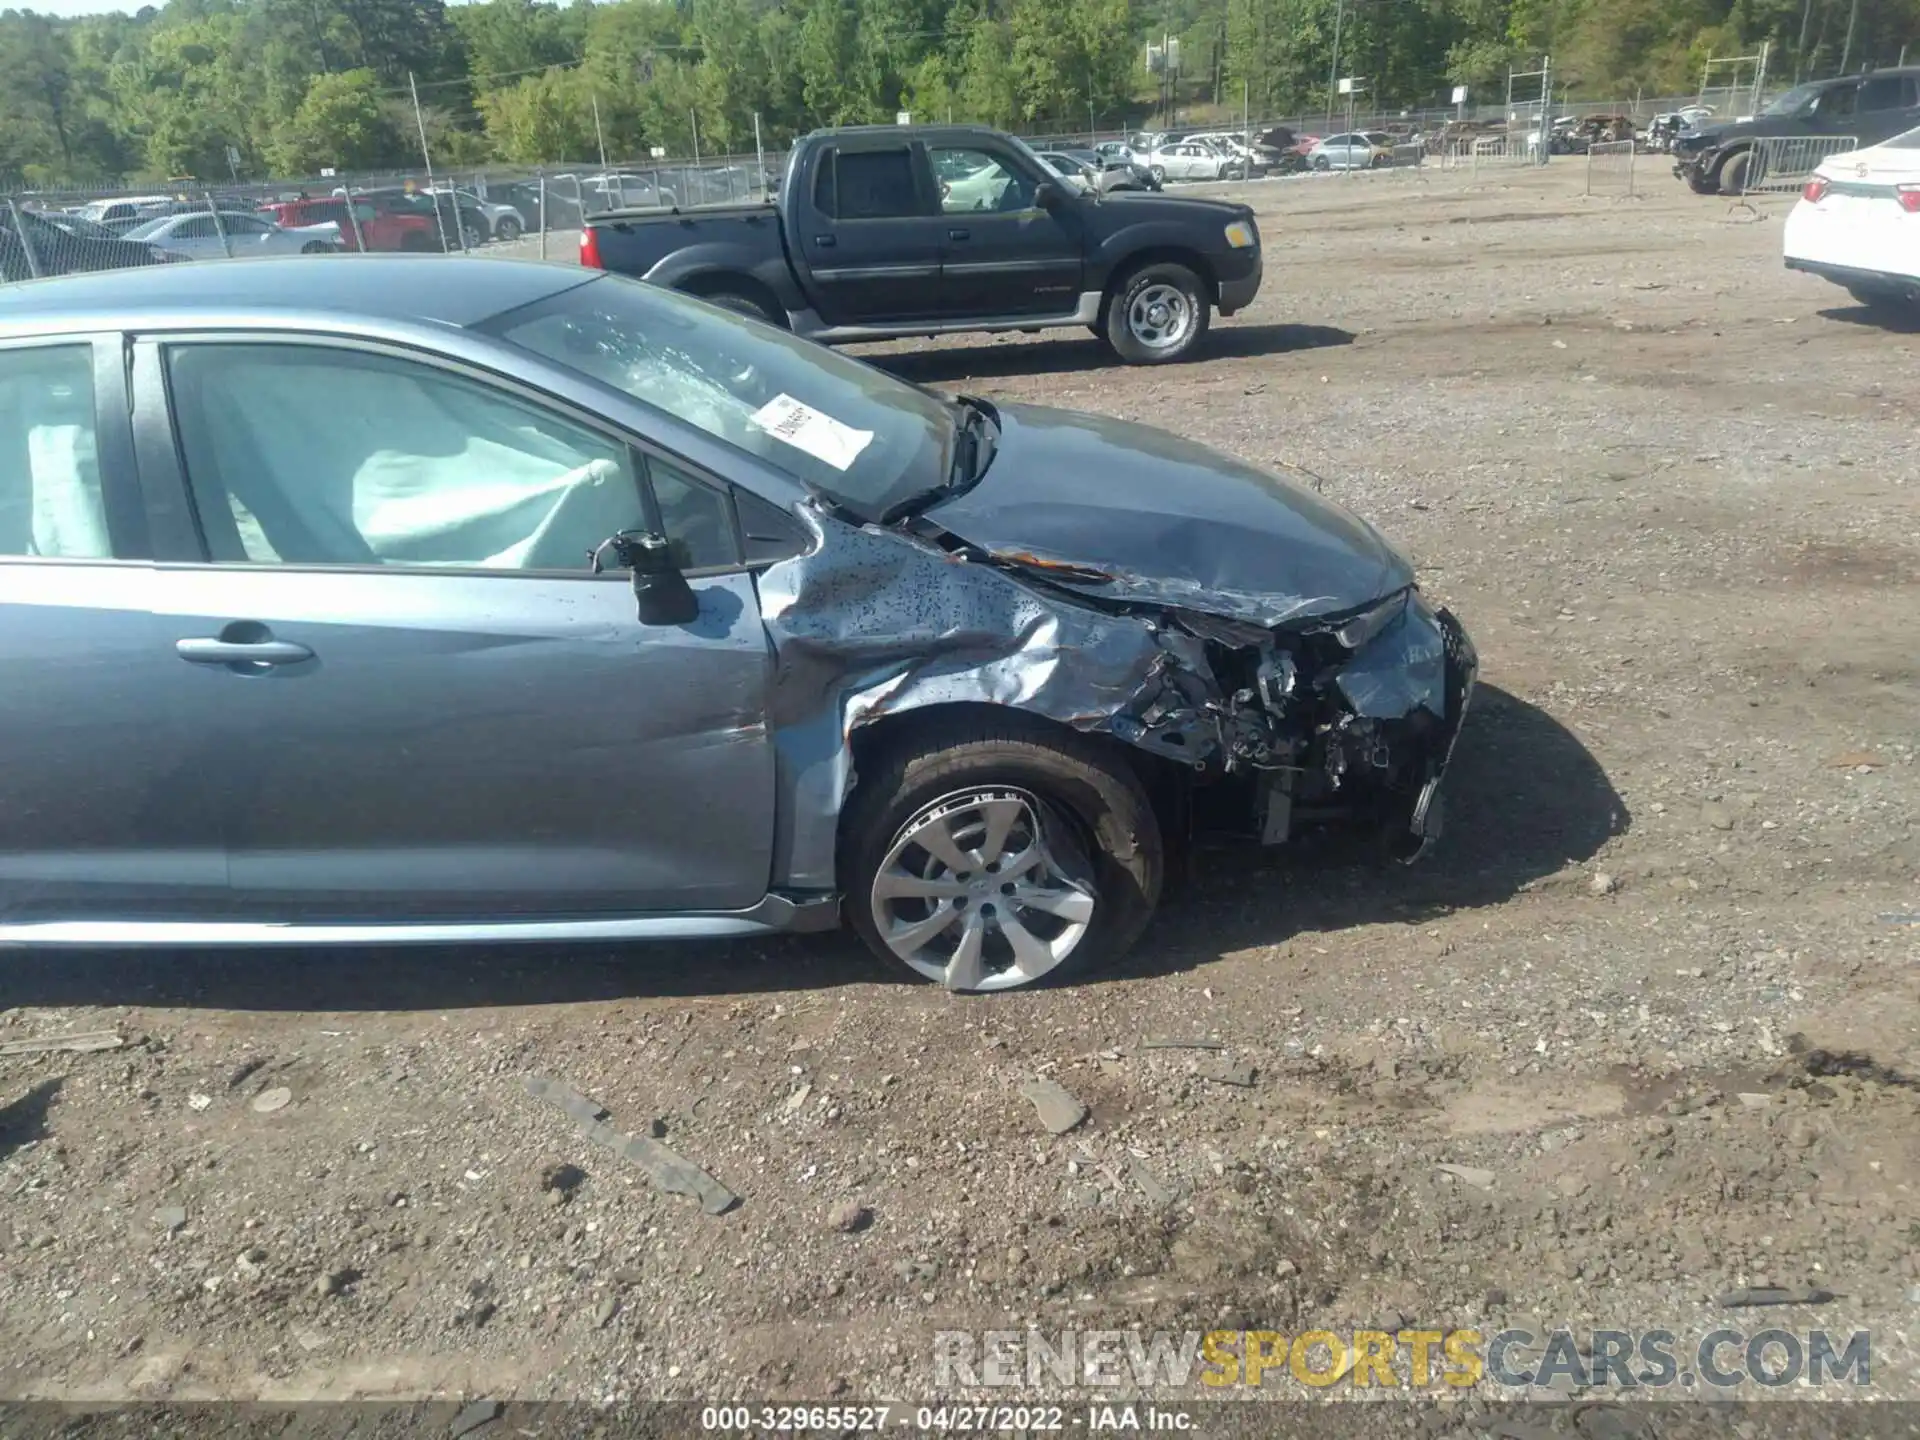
1718,158
888,231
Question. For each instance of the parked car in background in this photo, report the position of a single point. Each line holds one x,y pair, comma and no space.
1190,160
77,225
235,235
620,191
1352,151
370,227
122,212
1715,158
963,675
498,220
894,230
412,216
31,246
1095,178
1857,224
1116,154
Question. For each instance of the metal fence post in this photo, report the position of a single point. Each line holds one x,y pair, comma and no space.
543,215
219,225
26,240
353,220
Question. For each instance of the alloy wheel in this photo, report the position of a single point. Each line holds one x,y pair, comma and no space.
1160,316
971,896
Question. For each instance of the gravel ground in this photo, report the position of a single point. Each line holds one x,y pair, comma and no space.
1653,993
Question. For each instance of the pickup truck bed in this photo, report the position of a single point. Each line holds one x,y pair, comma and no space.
882,232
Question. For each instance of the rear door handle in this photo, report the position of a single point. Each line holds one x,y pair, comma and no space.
825,242
959,234
241,654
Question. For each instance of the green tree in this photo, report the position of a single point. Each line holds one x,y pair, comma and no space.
344,122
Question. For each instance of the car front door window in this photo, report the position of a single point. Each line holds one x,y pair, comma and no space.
316,455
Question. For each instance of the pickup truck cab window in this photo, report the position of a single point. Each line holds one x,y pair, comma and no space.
868,185
1837,103
1886,92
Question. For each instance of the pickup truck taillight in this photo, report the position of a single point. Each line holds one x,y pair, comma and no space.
590,249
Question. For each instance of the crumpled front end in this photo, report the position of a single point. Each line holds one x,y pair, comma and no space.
1348,717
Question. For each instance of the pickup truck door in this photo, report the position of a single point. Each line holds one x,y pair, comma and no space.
1003,255
868,234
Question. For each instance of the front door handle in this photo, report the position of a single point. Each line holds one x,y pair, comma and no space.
959,234
825,242
229,652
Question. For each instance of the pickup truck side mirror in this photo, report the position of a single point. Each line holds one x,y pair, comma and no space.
1048,195
660,591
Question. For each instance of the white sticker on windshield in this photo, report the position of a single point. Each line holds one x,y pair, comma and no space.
805,428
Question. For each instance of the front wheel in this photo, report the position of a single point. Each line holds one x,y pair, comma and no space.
1320,162
1159,173
1157,314
998,853
1733,173
507,229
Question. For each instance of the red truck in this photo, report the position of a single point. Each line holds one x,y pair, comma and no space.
382,226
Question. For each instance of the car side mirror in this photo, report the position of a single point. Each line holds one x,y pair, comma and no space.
1048,195
660,591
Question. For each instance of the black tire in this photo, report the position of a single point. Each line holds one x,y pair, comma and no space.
473,235
1098,822
742,303
1159,173
1320,162
507,228
316,247
1120,335
1732,174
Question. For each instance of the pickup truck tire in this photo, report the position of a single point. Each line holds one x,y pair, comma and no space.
1067,854
1157,313
1733,172
741,303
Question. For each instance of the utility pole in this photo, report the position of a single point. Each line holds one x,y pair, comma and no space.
1333,69
426,158
599,134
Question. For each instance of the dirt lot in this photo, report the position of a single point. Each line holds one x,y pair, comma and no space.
1657,983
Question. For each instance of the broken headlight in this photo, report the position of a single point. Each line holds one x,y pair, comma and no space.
1356,631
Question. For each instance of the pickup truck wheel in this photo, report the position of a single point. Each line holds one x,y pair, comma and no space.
998,853
1158,313
1733,173
743,304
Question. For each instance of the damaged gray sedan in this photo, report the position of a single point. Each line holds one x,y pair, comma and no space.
379,599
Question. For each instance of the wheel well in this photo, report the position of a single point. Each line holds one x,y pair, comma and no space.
732,282
1171,254
1166,782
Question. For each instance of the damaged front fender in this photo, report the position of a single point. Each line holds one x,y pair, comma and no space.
873,622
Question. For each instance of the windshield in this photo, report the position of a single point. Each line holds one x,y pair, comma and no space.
835,425
146,229
1794,101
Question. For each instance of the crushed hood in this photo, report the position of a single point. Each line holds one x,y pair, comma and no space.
1126,512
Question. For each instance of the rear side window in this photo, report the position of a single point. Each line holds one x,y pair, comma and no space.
50,503
1886,92
874,185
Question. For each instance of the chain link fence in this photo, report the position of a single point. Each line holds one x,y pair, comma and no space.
524,213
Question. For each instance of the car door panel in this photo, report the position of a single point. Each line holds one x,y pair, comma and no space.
108,805
869,238
423,742
1011,258
470,744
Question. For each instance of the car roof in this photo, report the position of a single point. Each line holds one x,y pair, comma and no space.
439,289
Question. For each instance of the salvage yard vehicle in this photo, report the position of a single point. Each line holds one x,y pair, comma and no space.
1857,224
1715,158
888,231
390,599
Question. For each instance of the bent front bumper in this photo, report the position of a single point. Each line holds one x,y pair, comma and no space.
1237,293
